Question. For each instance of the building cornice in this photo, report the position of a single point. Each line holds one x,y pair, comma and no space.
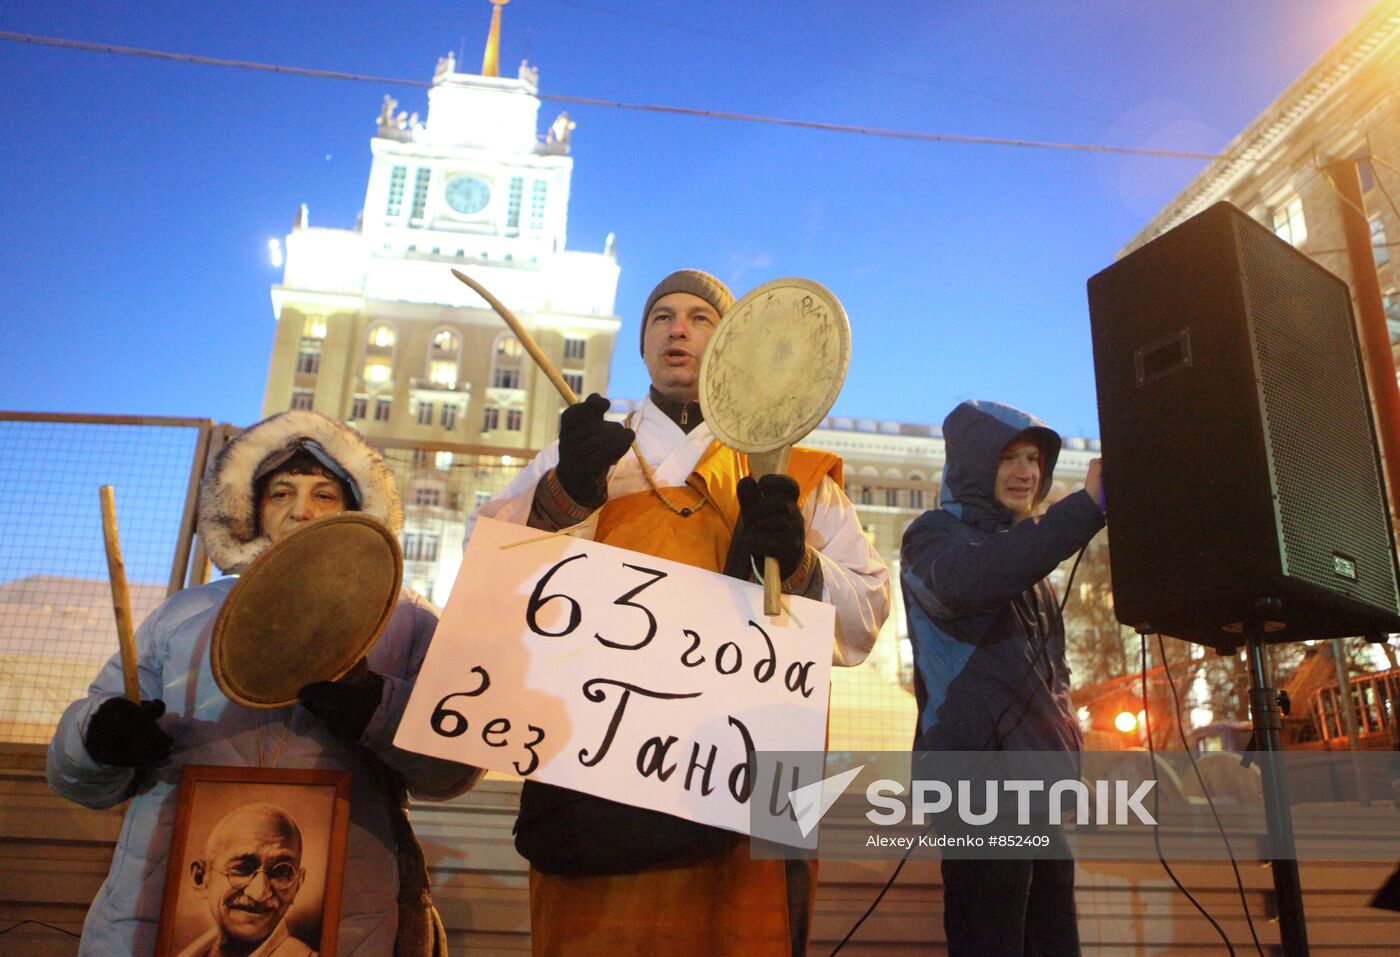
1373,33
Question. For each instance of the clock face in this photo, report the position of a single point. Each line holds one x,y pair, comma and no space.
467,194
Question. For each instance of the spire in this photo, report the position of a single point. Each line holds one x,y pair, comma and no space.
490,59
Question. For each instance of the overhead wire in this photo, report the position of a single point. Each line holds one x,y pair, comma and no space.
823,126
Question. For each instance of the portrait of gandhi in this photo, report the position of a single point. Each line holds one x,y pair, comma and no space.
248,878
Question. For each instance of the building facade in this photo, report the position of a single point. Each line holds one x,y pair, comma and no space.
1285,168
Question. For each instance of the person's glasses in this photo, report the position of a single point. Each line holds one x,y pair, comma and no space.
240,874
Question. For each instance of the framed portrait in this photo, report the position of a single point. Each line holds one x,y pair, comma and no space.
257,856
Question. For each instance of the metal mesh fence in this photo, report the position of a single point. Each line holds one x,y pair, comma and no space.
56,620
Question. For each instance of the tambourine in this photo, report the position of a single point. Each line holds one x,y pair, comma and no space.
770,374
307,609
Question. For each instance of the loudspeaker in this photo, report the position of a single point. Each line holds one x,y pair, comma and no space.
1241,471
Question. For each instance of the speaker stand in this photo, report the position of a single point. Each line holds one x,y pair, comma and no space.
1268,722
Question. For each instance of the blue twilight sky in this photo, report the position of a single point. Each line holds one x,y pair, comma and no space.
140,194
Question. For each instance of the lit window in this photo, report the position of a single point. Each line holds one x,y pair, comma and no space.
573,348
506,363
442,461
381,337
302,398
443,372
425,413
1378,247
420,192
377,371
396,180
517,187
449,416
381,410
575,381
445,343
358,407
538,191
313,327
513,417
491,420
1288,222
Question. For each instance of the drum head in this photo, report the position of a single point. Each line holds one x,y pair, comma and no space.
775,365
307,609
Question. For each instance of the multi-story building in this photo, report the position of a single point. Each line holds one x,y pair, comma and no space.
373,328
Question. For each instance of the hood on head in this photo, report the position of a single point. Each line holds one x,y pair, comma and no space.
228,512
974,434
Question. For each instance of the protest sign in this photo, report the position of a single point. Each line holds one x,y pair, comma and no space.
618,674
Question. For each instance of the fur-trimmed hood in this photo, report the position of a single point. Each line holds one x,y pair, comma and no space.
228,518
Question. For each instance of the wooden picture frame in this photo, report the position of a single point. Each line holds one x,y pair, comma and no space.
245,811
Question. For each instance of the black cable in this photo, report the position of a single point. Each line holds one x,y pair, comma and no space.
21,923
1181,731
995,736
1157,806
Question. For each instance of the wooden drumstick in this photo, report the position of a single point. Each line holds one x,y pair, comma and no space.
121,595
526,340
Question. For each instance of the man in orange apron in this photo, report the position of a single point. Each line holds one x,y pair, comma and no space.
610,879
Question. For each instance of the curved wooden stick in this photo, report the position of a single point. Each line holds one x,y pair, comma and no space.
526,340
121,595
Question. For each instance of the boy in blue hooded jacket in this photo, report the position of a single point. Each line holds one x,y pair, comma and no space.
989,652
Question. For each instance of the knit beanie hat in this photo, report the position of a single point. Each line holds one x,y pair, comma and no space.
696,283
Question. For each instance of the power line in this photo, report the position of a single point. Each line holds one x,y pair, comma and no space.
913,135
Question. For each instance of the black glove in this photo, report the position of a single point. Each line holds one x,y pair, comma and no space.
769,524
346,705
589,445
124,734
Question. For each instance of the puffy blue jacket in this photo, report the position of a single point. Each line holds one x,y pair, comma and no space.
988,640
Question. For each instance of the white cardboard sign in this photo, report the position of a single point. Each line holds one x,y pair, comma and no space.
619,674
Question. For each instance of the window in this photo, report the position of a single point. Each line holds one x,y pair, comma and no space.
443,372
442,461
1378,247
916,498
427,495
449,416
1392,314
420,458
573,348
301,398
425,413
575,381
420,192
358,407
418,547
377,371
428,551
538,189
444,344
513,417
892,497
381,338
313,327
309,357
867,496
517,187
481,498
381,410
396,181
506,363
491,420
1288,222
410,546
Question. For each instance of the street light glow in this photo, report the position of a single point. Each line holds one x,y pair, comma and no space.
1126,722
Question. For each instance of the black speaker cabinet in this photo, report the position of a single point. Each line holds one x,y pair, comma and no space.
1240,462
